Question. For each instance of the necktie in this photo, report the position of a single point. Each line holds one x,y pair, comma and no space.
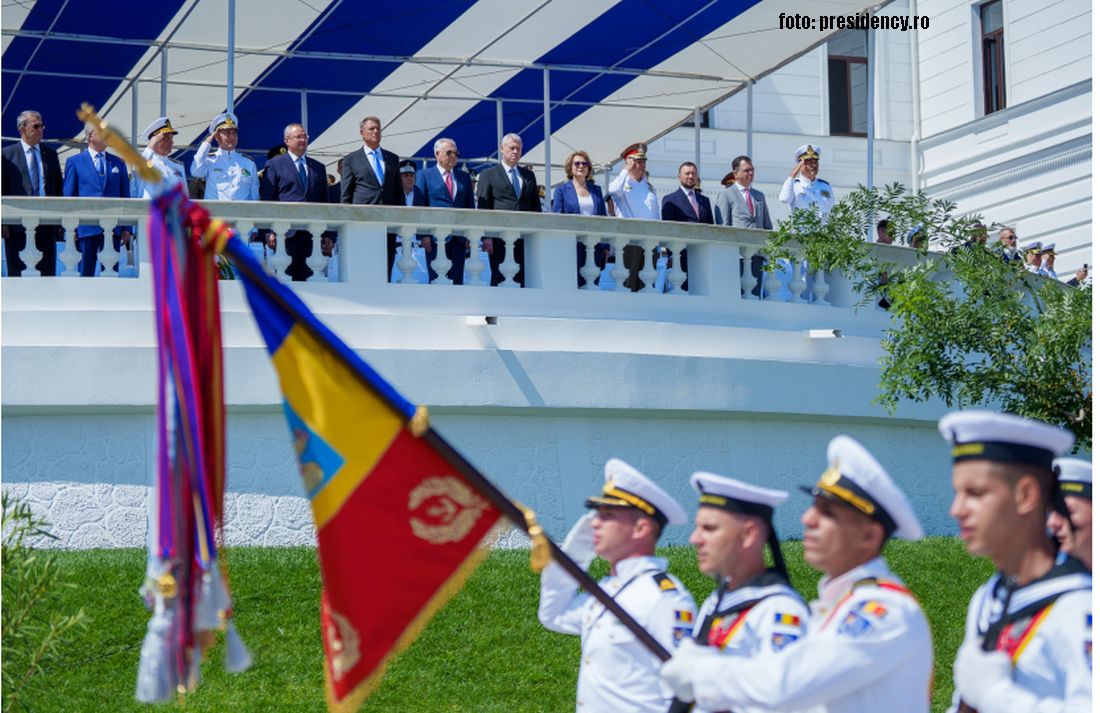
99,167
515,182
450,184
694,202
36,181
378,167
748,201
302,174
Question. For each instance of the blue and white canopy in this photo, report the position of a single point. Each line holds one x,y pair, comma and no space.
619,72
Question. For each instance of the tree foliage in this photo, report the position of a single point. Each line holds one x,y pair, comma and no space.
967,328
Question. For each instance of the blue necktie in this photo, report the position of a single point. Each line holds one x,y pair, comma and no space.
302,174
378,167
36,176
99,167
515,182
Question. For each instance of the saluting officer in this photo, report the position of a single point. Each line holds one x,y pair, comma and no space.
803,189
230,176
754,613
1028,641
161,137
868,646
618,673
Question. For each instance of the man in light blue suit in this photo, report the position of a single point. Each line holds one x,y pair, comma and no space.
94,173
441,186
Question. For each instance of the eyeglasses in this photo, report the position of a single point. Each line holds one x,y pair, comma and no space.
36,126
581,164
452,152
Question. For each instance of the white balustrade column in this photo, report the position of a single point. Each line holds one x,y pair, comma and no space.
509,268
108,256
619,272
316,261
70,257
590,271
772,284
407,263
797,285
820,288
474,266
748,282
30,255
280,258
648,274
676,275
441,264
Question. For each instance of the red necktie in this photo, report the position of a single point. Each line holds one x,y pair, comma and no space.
748,201
450,184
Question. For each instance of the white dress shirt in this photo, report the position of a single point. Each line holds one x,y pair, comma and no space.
35,156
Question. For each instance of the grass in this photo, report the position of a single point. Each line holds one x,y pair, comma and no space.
484,652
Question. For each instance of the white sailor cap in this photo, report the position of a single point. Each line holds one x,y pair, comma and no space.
1074,477
734,496
1003,437
855,478
1048,247
225,120
625,486
1033,245
807,151
160,125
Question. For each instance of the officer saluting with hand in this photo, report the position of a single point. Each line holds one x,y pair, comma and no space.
803,189
754,613
617,672
867,646
230,175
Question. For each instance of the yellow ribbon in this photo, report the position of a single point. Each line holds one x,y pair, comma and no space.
540,546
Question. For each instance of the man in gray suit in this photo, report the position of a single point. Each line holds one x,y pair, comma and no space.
741,205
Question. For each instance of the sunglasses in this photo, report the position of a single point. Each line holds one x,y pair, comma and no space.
36,126
450,153
583,164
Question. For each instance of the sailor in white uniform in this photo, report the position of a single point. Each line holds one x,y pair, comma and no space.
803,189
1074,533
1028,641
160,136
754,613
618,673
867,646
229,174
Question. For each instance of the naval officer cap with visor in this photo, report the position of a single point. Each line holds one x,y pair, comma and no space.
626,487
739,498
857,480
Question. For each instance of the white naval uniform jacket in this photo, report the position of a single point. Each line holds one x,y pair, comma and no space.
799,192
1054,668
756,621
867,648
634,199
230,175
617,672
172,171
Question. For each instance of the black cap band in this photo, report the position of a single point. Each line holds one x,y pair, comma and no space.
1075,489
1003,452
737,507
836,486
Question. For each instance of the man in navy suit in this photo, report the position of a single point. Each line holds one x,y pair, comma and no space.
507,186
441,186
31,169
687,205
372,176
293,177
94,173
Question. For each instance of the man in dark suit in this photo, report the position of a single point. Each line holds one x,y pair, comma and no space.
507,186
442,186
372,176
31,169
293,177
687,205
94,173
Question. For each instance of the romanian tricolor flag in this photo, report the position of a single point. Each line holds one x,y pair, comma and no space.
398,519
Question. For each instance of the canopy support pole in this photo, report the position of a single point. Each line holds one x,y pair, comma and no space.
748,120
546,129
305,110
698,139
164,81
231,52
500,124
134,114
871,125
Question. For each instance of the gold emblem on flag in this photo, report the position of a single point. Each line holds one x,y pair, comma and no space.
343,642
450,509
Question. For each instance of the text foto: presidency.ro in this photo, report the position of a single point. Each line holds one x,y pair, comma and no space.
862,21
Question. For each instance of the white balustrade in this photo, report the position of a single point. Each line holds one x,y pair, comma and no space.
474,266
648,273
441,264
820,288
31,254
620,273
70,257
590,271
280,258
509,268
316,260
108,256
797,285
676,275
748,281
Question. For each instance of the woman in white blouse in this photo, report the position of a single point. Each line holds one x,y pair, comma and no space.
580,195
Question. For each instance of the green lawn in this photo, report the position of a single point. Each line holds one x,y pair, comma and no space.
484,652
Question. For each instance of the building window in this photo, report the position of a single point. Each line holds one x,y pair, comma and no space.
993,55
704,120
848,83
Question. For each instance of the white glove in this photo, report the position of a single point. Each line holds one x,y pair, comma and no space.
678,671
580,543
981,675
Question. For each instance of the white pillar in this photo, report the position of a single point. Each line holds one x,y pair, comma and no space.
231,51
